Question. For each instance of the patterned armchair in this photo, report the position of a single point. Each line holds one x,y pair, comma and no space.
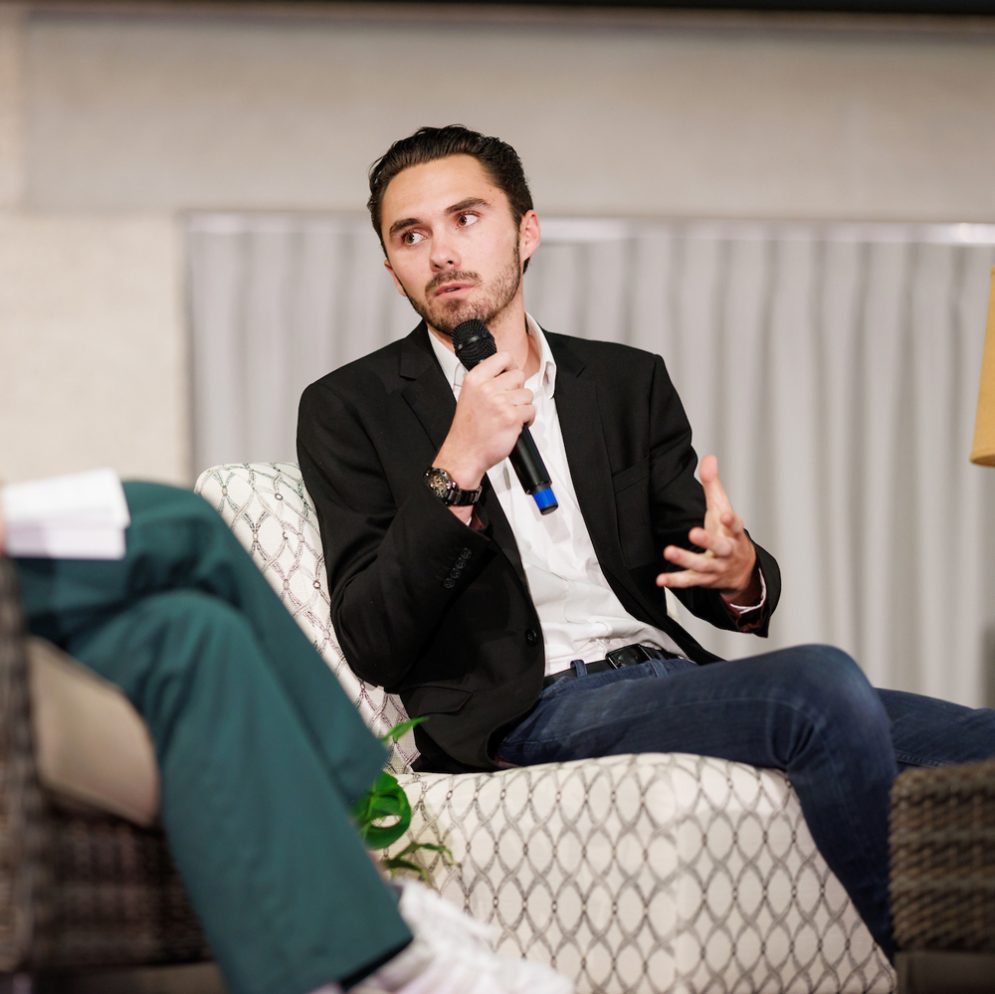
632,874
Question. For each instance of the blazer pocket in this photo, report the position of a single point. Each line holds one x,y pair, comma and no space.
631,475
429,699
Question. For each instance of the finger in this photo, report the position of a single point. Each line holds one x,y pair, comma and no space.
701,562
518,409
510,379
518,397
717,544
733,524
716,497
683,580
489,368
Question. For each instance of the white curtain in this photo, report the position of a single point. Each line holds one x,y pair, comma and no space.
832,368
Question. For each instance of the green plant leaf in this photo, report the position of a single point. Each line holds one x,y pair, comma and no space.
384,801
388,806
400,729
383,815
443,851
395,863
384,836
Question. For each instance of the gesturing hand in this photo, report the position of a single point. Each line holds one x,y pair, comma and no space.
728,560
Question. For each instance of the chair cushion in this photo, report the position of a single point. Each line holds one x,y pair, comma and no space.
91,745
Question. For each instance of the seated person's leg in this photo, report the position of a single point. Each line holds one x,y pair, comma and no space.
930,732
176,541
287,894
808,711
255,802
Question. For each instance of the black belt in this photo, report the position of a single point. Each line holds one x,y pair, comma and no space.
617,659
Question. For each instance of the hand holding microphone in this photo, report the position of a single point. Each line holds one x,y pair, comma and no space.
508,405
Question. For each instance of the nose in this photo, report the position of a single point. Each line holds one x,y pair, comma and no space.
444,254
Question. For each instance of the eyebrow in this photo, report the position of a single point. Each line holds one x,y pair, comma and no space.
463,205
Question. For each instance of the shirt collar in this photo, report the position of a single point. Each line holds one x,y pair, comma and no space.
454,370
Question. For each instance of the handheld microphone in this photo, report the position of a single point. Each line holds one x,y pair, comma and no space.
473,342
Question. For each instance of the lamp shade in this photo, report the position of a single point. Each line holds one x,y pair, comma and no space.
983,451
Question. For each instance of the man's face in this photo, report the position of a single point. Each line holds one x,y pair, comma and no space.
452,245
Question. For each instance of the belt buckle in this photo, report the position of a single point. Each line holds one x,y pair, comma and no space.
628,655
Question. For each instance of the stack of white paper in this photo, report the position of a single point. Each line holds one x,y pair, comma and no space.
79,516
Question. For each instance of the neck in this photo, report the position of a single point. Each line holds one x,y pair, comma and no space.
511,335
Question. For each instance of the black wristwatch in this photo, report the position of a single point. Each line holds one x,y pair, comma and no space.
444,487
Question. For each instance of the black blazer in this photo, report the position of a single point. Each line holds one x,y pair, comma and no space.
440,613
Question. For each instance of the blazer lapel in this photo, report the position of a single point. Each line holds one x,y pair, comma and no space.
425,390
578,405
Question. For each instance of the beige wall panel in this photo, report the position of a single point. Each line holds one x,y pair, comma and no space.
11,145
128,113
92,347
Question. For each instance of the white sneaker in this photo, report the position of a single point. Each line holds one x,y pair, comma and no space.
452,954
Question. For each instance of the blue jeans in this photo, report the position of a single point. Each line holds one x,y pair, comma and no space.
808,711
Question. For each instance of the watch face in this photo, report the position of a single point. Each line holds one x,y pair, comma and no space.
440,483
444,487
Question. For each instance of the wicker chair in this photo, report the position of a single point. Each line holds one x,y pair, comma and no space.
79,889
943,879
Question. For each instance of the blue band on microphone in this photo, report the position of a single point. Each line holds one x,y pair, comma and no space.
545,499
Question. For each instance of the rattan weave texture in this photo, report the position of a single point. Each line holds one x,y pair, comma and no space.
943,857
76,888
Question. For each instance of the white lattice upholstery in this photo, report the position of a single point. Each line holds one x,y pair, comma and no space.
633,874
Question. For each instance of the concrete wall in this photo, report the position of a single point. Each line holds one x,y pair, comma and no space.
93,348
114,123
11,146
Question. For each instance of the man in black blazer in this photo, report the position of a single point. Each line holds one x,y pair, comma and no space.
527,637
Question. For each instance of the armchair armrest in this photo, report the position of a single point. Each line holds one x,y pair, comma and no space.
943,857
648,873
23,830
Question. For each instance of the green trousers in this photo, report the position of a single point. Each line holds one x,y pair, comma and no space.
261,753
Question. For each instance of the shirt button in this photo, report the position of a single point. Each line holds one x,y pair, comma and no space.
532,636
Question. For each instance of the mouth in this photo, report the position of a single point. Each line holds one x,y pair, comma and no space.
450,288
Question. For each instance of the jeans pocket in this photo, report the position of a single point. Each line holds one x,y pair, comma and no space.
668,667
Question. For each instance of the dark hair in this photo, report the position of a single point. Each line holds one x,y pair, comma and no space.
428,144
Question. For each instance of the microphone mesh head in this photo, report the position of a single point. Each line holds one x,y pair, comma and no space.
473,342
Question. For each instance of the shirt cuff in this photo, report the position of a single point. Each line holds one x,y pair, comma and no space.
740,611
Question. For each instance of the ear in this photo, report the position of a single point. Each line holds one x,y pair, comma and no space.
529,235
393,276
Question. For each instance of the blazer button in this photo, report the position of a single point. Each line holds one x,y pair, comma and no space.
531,636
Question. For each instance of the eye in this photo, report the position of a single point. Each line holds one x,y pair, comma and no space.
411,237
465,219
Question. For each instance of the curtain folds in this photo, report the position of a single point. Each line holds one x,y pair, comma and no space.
833,368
